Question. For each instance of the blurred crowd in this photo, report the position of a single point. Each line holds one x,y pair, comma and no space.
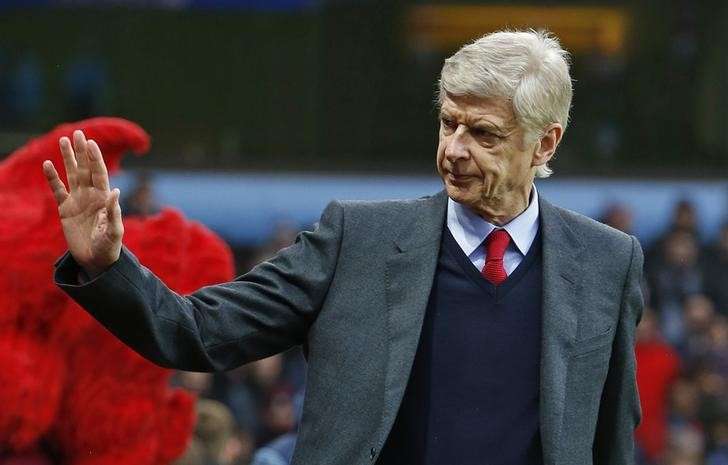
246,416
682,343
249,415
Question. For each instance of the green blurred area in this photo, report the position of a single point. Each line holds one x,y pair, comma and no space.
338,88
195,81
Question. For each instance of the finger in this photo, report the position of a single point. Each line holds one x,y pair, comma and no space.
69,161
59,190
80,147
99,174
113,213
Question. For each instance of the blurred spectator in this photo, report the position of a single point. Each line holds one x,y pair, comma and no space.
140,202
719,436
697,321
284,233
214,429
279,415
280,450
684,219
718,350
235,389
675,275
194,455
249,390
267,371
686,439
198,383
239,449
657,367
619,217
277,452
216,441
712,393
716,271
677,457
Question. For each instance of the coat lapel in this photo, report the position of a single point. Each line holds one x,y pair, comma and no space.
409,275
562,259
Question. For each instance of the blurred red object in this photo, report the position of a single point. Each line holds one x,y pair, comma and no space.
28,458
65,379
658,365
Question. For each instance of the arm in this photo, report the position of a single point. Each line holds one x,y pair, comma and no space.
620,411
218,327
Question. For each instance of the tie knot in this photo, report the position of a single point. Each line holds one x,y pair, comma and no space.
496,244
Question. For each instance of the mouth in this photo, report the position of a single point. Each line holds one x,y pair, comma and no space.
458,178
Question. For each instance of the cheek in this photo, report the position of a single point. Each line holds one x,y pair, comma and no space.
521,164
516,169
504,162
490,163
440,152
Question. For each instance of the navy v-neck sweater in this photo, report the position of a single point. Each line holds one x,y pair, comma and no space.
472,396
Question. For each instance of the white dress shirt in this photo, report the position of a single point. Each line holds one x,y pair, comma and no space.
470,230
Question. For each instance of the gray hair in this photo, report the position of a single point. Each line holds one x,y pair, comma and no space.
529,68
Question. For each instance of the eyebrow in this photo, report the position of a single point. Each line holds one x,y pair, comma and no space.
485,124
443,114
479,123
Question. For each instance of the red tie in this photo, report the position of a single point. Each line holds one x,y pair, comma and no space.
495,246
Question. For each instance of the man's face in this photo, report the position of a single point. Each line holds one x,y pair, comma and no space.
481,155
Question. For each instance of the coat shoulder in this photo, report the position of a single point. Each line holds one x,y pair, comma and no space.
384,206
388,213
597,235
408,221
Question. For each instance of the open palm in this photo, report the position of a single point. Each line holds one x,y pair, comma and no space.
89,210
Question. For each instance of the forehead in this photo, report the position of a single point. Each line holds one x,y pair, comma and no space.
467,108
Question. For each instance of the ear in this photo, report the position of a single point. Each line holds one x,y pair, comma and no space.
546,146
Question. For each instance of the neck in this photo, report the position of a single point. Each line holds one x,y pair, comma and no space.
501,210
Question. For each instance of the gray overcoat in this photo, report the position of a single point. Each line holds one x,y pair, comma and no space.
353,293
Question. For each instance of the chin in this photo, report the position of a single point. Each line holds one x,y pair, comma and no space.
461,195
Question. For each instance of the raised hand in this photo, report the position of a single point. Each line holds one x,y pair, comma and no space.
90,214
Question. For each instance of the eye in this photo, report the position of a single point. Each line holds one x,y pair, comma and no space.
485,135
448,123
480,132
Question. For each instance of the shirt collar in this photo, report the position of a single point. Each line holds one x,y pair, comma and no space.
470,229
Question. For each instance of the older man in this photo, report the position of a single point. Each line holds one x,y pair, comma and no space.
481,325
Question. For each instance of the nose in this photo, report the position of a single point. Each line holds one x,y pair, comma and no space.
457,147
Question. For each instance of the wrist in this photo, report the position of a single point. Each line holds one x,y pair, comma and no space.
91,271
82,276
88,273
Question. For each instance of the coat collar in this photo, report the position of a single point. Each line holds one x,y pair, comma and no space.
424,225
470,229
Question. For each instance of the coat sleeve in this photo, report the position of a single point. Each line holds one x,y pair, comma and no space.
218,327
620,411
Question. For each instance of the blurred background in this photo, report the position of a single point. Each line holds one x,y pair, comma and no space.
262,111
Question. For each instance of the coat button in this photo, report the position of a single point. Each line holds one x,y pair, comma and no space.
372,453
